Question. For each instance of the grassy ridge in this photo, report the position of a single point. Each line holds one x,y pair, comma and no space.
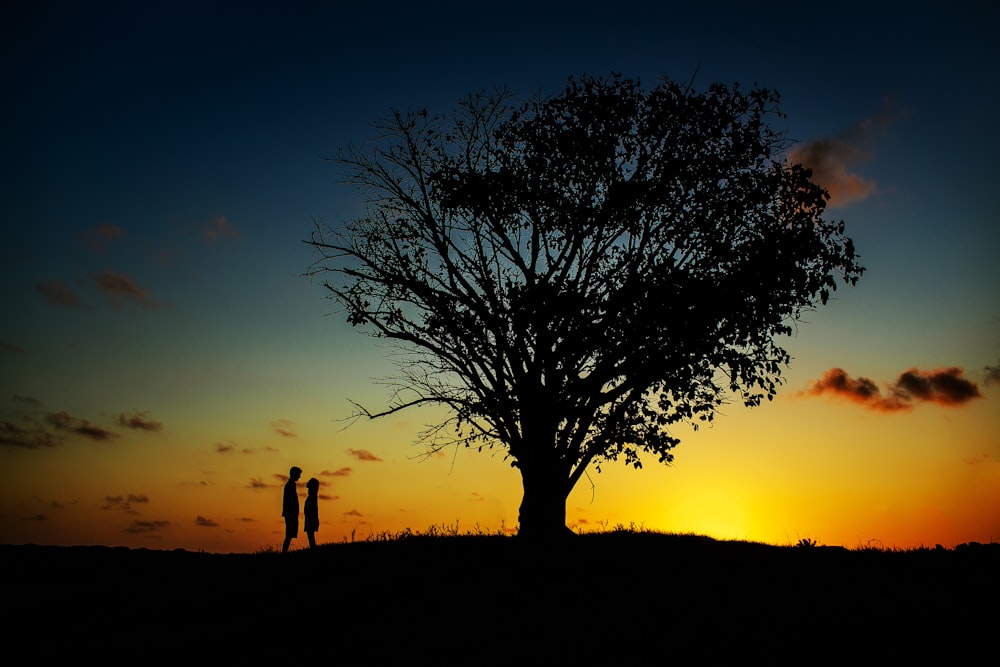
621,597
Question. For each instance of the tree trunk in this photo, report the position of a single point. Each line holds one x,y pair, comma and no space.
542,515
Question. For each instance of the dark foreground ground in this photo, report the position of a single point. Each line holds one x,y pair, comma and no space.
616,599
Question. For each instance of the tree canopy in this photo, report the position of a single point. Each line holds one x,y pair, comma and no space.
576,273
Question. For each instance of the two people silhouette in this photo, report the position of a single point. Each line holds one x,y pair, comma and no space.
290,509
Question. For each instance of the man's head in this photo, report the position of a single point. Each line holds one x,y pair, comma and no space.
294,473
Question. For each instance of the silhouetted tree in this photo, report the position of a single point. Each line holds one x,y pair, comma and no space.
575,274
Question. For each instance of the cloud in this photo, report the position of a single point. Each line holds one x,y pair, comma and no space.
140,527
121,288
984,459
63,421
832,159
11,347
283,427
225,447
944,387
343,472
139,422
124,503
98,238
353,513
57,293
363,455
256,483
218,228
12,435
992,374
206,523
27,400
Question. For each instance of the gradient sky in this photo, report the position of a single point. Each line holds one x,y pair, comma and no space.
163,363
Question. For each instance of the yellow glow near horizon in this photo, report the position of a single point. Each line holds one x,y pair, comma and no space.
836,474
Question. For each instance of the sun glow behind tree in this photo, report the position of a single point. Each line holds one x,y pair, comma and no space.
575,276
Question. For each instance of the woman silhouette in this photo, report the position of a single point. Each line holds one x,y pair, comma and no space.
311,511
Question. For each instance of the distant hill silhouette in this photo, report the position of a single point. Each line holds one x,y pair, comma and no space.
617,598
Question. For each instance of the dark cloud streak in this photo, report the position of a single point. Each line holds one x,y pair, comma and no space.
218,229
63,421
139,422
142,527
121,288
124,503
12,435
992,374
363,455
100,237
283,427
945,387
57,293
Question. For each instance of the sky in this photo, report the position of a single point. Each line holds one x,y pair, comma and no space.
164,361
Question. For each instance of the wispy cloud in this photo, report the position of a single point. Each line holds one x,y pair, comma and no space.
139,422
283,427
219,228
141,527
257,483
342,472
63,421
353,513
945,387
57,293
834,159
121,288
12,435
992,374
32,434
363,455
125,503
11,347
204,522
98,238
225,447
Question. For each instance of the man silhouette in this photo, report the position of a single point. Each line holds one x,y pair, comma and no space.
290,507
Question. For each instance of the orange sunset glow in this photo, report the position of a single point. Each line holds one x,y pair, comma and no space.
164,362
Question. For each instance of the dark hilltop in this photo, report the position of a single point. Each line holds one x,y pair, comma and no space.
621,598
